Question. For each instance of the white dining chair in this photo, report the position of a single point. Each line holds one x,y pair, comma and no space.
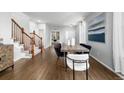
78,62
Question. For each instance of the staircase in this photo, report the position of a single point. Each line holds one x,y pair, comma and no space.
24,43
19,51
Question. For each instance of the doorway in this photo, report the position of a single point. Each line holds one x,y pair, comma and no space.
55,37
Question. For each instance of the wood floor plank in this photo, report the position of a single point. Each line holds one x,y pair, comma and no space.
45,67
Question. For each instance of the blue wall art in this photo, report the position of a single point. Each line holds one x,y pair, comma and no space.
96,29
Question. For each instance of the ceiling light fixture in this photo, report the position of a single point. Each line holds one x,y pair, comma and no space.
39,21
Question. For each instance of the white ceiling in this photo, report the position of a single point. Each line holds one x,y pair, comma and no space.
58,18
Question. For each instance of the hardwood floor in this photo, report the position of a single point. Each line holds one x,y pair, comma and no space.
45,67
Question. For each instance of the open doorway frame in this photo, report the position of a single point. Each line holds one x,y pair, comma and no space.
54,37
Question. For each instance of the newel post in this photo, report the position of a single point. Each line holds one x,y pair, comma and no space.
33,44
12,33
22,36
32,47
41,45
34,36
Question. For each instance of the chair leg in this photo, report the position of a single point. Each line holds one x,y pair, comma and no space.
73,72
66,64
86,71
57,59
12,66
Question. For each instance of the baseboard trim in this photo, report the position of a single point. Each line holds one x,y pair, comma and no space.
106,66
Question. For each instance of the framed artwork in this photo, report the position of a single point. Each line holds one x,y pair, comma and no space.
55,36
96,29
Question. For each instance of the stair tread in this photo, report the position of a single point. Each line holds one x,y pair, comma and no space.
20,51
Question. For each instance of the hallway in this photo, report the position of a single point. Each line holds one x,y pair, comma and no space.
45,67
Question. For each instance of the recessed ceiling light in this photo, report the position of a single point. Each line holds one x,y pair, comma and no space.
39,21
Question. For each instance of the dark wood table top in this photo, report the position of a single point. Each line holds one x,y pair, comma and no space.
76,48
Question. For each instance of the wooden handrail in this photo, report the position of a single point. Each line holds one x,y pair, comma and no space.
16,23
27,35
20,28
38,36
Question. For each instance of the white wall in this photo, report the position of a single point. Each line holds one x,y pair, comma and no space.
80,32
42,33
123,23
77,34
5,23
22,19
103,51
47,37
33,27
70,31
